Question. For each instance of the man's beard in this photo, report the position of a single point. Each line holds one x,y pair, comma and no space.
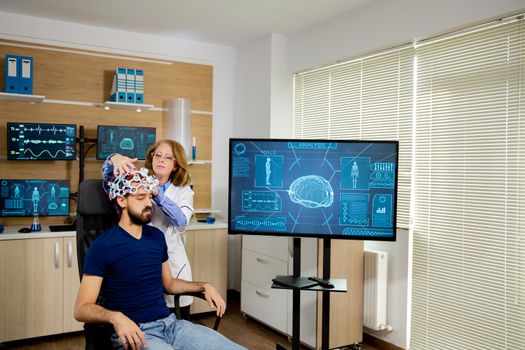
142,218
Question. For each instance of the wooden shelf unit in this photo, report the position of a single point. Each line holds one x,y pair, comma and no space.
72,81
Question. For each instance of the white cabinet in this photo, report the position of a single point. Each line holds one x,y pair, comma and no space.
38,287
257,298
264,257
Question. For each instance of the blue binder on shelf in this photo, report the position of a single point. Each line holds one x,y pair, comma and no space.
118,89
139,86
11,81
130,85
25,74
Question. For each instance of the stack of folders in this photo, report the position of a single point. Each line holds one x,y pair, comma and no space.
18,74
128,86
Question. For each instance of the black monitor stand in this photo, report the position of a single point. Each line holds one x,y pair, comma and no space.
82,152
298,283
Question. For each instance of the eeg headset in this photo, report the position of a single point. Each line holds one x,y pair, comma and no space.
130,183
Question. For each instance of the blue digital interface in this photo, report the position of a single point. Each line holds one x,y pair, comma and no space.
130,141
32,141
27,197
313,188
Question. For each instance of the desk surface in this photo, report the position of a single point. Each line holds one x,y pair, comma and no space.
11,232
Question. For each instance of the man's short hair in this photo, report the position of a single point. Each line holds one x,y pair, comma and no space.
130,183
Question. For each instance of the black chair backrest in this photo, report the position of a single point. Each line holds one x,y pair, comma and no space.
95,214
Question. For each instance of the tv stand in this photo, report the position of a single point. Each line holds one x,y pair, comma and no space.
292,282
297,284
81,140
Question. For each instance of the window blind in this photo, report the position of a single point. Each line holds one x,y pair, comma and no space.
365,99
468,278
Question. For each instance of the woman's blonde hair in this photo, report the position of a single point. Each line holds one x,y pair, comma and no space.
180,175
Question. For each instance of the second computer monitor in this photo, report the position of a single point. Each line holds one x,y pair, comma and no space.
130,141
29,197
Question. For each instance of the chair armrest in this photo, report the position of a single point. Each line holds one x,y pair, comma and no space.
199,295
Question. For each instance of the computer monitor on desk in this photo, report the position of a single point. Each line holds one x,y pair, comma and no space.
29,197
39,141
130,141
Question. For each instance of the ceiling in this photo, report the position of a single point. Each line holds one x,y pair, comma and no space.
225,22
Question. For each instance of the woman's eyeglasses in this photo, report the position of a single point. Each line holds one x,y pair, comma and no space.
166,157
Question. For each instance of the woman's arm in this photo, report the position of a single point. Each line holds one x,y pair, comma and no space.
178,214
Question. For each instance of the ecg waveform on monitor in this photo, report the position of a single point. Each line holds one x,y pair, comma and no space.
40,130
37,155
36,142
41,141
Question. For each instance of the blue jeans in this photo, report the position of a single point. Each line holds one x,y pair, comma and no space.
172,334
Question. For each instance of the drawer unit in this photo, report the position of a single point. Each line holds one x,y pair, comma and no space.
264,305
259,269
277,247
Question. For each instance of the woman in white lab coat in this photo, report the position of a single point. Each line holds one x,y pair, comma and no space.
173,205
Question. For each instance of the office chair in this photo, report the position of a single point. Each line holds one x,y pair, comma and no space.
95,214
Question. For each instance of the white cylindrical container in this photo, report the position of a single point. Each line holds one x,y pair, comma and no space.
179,123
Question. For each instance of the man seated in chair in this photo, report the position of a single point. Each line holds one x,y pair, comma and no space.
129,264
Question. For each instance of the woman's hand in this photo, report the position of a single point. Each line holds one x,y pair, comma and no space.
122,164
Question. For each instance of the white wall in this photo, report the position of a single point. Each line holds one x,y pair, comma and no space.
262,87
397,288
252,108
252,100
281,107
68,34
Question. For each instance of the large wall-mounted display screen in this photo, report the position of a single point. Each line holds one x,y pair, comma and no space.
313,188
38,141
130,141
28,197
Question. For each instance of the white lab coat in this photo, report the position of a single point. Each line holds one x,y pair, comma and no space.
178,260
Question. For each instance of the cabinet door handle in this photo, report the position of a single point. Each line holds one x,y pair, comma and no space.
262,295
69,253
262,261
57,254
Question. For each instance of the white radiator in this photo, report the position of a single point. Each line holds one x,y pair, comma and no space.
375,289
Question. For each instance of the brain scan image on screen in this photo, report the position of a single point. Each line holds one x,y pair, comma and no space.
311,188
130,141
311,191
